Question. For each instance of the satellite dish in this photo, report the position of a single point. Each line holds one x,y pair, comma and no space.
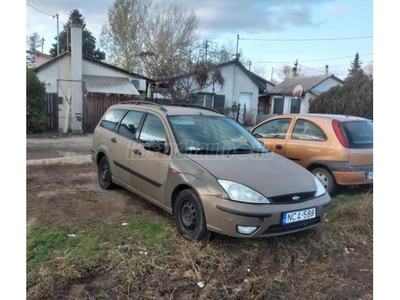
298,91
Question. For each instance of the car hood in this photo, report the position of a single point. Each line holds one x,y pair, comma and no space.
267,173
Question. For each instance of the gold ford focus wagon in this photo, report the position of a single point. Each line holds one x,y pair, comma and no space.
206,170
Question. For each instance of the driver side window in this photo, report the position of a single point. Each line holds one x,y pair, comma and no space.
153,130
275,129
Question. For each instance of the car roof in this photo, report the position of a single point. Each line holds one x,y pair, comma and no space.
168,109
342,118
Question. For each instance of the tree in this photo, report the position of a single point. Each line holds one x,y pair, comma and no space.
32,42
355,98
88,40
286,72
355,66
35,103
155,40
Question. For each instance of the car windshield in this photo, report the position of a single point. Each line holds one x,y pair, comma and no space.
360,134
200,134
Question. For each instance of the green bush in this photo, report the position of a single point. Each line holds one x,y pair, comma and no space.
35,104
355,98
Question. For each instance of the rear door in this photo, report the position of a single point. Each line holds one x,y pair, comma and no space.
274,134
121,145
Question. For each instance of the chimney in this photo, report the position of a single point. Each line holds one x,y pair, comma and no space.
293,72
76,108
326,69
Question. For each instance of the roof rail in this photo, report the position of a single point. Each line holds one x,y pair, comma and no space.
192,105
138,102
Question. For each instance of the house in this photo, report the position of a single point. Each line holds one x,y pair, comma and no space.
241,87
40,58
294,94
81,88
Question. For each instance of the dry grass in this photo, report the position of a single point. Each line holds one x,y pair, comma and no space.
150,260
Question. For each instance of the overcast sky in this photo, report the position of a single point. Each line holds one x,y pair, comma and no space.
257,22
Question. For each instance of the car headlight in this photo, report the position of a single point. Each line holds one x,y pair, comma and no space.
320,188
239,192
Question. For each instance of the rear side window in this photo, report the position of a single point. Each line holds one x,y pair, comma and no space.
130,124
112,118
359,134
306,130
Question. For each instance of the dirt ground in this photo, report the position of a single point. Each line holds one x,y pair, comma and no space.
62,191
62,187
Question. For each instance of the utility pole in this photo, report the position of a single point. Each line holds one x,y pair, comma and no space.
249,65
272,74
58,33
237,48
42,44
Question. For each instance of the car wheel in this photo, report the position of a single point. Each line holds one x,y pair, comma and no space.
326,179
104,174
189,215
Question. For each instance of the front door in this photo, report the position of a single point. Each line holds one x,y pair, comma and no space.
151,168
273,134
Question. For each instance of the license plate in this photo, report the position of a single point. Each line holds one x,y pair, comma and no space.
368,175
300,215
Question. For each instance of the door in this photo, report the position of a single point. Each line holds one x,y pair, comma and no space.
150,167
307,143
244,101
273,133
121,145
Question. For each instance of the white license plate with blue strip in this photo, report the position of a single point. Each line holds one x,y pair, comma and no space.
300,215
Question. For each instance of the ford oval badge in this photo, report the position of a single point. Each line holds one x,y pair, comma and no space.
296,198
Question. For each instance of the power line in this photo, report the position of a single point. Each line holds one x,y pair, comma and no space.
307,40
311,60
40,10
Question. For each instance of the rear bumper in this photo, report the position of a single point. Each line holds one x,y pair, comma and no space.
352,178
223,216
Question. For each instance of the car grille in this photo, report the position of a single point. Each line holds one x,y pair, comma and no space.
277,229
289,197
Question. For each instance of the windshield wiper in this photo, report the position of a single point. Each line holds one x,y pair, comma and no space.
201,151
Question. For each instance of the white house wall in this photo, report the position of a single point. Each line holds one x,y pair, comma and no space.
307,97
60,69
91,68
233,88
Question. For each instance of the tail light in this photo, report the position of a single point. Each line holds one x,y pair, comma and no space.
341,135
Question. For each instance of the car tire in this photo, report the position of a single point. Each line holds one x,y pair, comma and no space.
189,215
327,180
104,174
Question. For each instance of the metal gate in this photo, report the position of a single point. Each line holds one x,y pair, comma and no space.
52,111
95,105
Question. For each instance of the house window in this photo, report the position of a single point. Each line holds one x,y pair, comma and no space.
204,99
295,105
278,106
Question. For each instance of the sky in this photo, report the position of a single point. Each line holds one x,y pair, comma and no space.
331,31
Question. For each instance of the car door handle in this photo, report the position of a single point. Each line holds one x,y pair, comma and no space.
279,147
114,140
137,151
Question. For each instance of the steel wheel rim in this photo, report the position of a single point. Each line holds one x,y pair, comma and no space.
323,179
188,215
104,172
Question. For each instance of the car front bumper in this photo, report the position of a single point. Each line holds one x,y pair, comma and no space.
224,216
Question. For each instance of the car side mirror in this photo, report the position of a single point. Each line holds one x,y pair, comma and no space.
157,147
